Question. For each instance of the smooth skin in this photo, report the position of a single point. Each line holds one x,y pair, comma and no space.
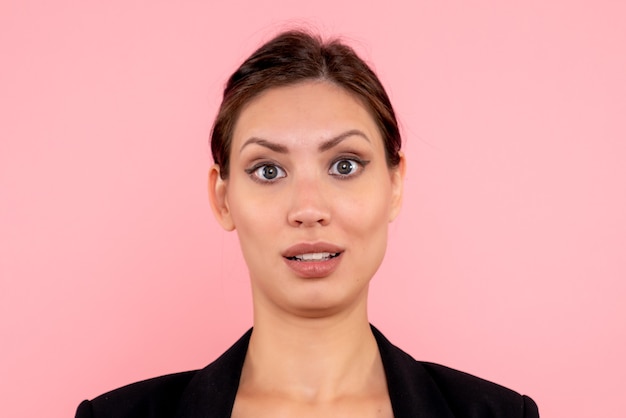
308,166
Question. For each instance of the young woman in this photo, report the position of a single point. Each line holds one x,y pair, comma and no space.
308,171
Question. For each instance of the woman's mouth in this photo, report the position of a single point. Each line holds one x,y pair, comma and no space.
313,256
313,260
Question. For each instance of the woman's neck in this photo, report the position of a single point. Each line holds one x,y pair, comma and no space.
313,360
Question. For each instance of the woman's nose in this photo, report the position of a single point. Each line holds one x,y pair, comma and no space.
309,205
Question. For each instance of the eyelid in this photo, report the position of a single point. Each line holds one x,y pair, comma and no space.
260,164
360,162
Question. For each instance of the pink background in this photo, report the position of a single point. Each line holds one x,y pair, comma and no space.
508,260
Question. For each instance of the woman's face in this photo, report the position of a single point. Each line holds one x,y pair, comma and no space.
310,195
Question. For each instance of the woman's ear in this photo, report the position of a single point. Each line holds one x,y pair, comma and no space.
397,187
219,199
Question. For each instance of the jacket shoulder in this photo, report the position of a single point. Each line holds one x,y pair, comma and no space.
419,388
152,398
189,394
472,396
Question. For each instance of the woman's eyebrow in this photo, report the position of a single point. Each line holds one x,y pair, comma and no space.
265,143
324,146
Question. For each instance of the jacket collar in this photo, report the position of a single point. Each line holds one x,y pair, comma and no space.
412,390
211,393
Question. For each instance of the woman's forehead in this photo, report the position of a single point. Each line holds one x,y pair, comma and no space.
305,111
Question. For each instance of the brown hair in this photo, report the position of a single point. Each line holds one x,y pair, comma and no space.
295,56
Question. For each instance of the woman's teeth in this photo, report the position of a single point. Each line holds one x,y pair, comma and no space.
314,256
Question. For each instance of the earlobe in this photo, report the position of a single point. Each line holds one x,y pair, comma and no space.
219,199
397,187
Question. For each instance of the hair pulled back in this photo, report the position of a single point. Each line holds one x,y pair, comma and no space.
296,56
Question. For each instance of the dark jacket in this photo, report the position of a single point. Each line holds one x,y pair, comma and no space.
416,389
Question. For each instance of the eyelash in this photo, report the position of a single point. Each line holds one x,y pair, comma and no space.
358,162
360,165
252,172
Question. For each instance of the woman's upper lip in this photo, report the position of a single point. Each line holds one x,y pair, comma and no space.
310,248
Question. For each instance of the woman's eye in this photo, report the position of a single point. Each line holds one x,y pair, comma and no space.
268,172
344,167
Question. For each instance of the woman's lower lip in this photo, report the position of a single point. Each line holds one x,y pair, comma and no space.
314,269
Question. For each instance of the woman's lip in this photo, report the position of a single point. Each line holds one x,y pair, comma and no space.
311,248
314,269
